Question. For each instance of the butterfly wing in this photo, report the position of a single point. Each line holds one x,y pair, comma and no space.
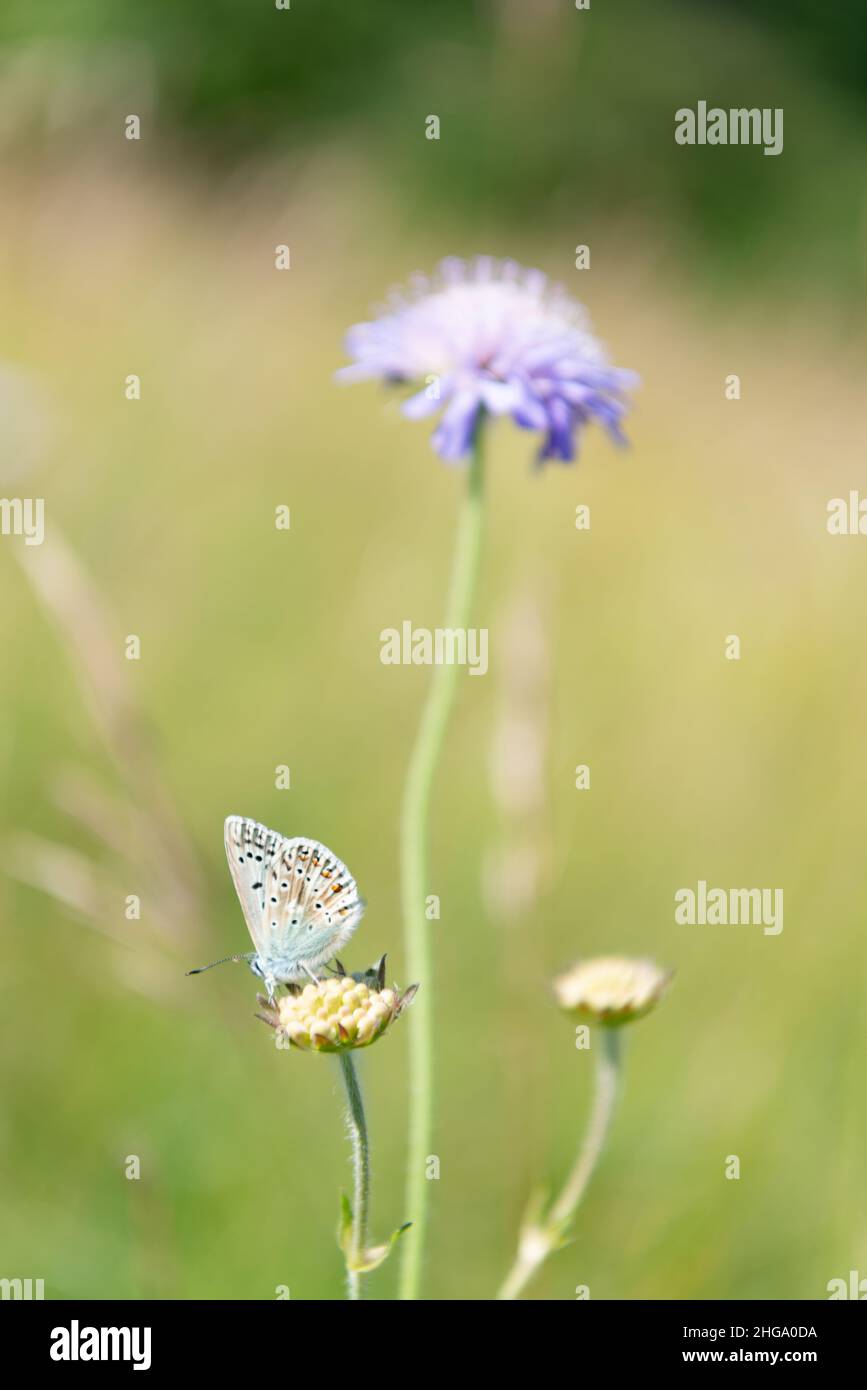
251,850
312,907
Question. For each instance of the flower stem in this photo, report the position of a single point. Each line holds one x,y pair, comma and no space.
415,884
357,1126
540,1239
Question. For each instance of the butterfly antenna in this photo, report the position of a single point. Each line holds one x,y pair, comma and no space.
202,968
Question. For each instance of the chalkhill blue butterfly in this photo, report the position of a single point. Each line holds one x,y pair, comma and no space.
300,902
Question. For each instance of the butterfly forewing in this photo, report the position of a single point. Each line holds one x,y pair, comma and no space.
251,850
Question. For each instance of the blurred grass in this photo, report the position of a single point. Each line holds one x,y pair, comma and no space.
550,116
261,647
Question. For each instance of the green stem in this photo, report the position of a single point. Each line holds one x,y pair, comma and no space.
415,884
540,1239
357,1126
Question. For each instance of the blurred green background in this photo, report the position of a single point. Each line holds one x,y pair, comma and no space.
261,647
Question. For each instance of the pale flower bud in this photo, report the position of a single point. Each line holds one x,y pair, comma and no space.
611,989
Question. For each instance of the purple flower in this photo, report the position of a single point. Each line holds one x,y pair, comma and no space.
489,335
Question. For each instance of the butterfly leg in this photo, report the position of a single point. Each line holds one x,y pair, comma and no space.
308,971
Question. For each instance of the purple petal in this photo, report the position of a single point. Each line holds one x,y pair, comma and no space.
453,436
559,442
425,403
502,397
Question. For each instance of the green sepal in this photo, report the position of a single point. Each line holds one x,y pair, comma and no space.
374,1255
344,1228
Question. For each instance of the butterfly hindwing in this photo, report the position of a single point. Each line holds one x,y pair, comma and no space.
312,906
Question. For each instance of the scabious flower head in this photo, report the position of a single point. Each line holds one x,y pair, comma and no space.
337,1014
611,989
490,336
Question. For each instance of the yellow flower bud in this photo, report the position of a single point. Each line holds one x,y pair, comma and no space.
335,1015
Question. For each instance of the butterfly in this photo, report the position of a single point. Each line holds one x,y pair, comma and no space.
300,903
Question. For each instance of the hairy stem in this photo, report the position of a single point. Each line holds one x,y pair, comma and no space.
415,884
357,1126
539,1239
